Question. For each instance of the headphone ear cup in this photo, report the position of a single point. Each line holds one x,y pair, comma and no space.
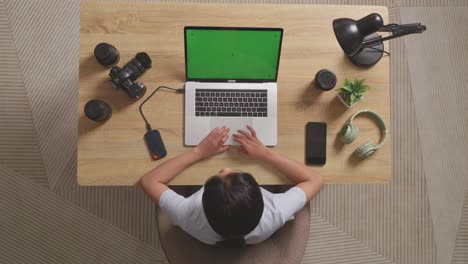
365,150
349,133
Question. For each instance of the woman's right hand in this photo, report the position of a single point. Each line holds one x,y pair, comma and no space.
213,143
250,144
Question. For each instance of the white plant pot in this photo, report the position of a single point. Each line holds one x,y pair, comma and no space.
343,101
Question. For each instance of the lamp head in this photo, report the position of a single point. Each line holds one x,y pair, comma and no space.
351,33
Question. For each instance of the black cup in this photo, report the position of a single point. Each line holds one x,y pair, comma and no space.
325,80
106,54
97,110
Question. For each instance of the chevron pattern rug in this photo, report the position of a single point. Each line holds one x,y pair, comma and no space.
421,217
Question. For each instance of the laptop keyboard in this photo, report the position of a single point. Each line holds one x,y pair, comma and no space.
230,102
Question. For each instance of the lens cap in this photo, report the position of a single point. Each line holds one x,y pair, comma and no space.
325,80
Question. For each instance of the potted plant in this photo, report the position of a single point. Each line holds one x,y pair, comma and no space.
352,92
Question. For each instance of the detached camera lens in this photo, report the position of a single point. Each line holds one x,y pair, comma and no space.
97,110
106,54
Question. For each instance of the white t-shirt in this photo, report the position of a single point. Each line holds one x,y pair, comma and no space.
188,214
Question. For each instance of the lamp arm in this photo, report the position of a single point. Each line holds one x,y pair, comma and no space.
395,28
397,31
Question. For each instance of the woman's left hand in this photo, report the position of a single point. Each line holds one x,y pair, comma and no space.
213,144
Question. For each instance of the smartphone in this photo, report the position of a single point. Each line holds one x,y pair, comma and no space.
316,143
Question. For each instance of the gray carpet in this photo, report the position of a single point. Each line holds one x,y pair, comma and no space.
39,227
19,145
439,75
420,217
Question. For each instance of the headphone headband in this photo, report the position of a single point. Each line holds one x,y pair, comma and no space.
379,119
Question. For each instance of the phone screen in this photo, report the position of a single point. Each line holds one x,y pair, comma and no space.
316,143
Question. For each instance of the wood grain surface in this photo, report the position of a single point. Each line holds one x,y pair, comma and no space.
114,152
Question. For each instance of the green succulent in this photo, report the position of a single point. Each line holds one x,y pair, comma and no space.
353,91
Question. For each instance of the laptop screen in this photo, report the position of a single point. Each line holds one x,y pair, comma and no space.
240,54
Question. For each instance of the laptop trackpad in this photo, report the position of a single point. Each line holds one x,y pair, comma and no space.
233,123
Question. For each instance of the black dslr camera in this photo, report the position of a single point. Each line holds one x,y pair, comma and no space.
124,78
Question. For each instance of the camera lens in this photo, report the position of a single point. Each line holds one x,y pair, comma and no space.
144,59
138,65
106,54
97,110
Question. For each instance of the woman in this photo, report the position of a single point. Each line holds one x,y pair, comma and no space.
231,208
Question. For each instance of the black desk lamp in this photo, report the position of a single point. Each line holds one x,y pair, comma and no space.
359,41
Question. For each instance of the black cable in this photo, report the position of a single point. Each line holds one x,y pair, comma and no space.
386,52
391,26
148,126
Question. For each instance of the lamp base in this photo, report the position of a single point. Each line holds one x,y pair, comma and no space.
367,57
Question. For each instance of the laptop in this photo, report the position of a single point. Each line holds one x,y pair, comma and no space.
231,75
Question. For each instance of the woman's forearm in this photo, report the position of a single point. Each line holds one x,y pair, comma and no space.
167,171
154,182
292,169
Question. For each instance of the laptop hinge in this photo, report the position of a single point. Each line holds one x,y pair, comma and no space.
231,81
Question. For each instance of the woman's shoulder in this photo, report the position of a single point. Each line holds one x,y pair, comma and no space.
281,203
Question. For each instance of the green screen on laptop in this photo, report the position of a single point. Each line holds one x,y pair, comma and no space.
232,53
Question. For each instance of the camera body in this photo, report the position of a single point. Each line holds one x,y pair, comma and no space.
121,79
124,78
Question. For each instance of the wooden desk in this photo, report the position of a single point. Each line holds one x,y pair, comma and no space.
114,153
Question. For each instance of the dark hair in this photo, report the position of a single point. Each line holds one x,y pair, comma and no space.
233,206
